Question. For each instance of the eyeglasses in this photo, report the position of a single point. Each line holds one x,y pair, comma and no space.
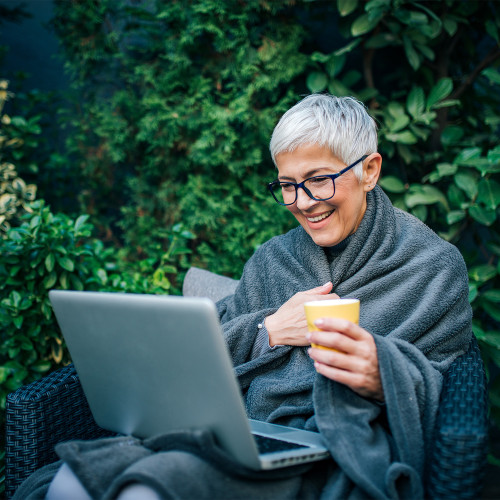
319,187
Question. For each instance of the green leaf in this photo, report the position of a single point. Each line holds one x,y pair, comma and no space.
316,81
446,169
451,135
411,53
492,74
450,25
348,48
18,321
482,273
467,181
405,137
66,263
392,184
492,295
50,260
345,7
399,123
424,195
41,366
4,373
483,215
455,216
466,155
364,24
493,310
473,291
492,30
50,280
489,193
441,90
415,103
15,299
80,222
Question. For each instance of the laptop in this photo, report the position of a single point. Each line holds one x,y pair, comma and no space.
150,364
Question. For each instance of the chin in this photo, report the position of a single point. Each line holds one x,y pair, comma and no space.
325,240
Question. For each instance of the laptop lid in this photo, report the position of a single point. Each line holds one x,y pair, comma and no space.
149,364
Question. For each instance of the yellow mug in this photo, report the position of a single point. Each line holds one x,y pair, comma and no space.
332,308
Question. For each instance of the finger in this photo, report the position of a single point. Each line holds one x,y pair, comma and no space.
322,290
365,386
339,360
343,326
353,380
334,340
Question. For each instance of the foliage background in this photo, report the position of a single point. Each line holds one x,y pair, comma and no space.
165,144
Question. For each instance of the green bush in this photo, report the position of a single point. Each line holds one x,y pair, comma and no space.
172,109
46,251
176,103
53,251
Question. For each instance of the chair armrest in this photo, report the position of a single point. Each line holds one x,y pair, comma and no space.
202,283
458,462
40,415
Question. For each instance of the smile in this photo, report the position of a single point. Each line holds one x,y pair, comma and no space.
320,217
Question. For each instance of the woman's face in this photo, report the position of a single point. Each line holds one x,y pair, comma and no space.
331,221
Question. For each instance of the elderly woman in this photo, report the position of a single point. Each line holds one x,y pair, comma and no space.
374,397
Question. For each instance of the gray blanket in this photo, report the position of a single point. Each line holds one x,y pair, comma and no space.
414,300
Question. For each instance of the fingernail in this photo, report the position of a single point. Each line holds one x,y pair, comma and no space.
308,336
327,283
319,322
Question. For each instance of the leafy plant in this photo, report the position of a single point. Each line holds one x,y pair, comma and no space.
15,194
174,105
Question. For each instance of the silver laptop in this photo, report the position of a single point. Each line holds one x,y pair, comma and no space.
150,364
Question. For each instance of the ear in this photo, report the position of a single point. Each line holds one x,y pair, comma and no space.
371,171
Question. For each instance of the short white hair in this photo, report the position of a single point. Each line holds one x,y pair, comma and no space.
340,123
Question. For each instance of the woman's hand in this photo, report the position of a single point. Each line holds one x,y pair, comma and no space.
353,363
288,325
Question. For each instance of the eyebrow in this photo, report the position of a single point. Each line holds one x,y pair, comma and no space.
311,173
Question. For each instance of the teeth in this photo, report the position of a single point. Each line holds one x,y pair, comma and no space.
319,217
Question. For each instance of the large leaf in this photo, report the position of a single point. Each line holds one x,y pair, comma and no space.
482,215
489,193
467,181
440,91
345,7
482,273
364,24
411,53
392,184
425,195
415,103
317,81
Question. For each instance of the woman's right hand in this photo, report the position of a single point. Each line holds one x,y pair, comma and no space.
288,325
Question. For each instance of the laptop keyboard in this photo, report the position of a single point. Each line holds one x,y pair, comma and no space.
270,445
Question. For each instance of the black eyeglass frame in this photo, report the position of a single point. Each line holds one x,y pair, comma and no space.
301,184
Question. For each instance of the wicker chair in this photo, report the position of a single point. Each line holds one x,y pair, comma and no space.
54,409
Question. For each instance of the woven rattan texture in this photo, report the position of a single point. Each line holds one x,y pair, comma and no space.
40,415
461,439
54,409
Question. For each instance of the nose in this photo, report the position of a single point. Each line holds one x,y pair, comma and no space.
304,201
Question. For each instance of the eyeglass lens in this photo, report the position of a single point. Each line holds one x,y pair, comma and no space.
318,188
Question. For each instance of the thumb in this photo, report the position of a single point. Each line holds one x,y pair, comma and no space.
323,289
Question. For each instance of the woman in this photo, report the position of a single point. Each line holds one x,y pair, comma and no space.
375,397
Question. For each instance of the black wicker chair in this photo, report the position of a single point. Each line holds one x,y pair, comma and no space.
54,409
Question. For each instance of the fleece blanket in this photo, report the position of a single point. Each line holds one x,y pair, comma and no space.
414,300
413,290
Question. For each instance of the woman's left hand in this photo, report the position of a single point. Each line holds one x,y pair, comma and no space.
354,361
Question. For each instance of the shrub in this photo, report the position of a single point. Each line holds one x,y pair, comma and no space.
176,104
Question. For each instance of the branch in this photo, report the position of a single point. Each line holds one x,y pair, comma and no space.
494,54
